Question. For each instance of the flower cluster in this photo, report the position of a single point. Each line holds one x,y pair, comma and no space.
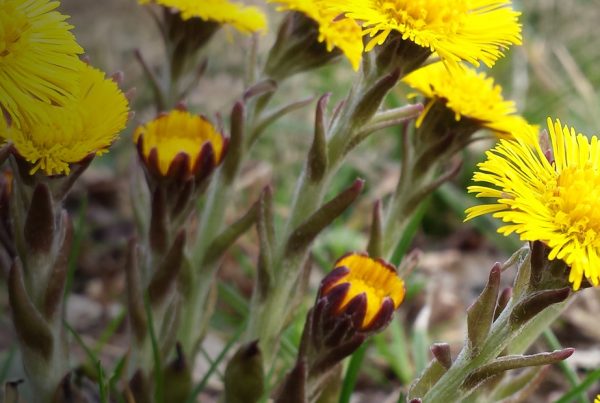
549,195
50,97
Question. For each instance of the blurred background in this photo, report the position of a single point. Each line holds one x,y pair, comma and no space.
555,73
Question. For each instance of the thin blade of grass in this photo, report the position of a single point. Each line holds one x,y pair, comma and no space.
233,298
102,383
88,351
394,350
114,378
78,228
409,233
213,365
352,373
6,364
587,382
110,330
570,374
420,347
94,361
158,373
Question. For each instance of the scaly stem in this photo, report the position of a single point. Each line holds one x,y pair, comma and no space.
501,336
268,317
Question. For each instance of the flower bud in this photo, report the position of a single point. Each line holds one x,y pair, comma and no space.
299,46
178,145
356,299
357,276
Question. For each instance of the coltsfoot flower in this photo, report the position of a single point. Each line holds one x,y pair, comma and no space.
469,95
88,123
180,143
552,196
38,58
471,30
343,34
245,19
359,283
356,299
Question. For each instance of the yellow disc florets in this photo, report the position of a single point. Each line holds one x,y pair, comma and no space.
552,196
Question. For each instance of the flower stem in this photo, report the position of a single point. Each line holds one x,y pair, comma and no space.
501,336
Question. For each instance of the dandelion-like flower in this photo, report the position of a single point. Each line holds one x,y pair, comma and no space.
358,277
245,19
469,95
471,30
87,124
179,140
38,58
552,196
597,399
344,34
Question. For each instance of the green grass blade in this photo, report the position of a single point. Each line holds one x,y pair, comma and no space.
213,365
352,373
88,351
110,330
420,348
102,383
116,376
158,371
78,229
588,381
570,374
394,350
409,233
10,355
233,298
94,361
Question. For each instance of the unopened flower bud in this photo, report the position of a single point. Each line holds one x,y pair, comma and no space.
358,276
356,299
179,145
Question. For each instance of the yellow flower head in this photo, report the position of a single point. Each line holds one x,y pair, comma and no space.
469,30
468,94
87,124
358,276
344,34
597,399
552,196
245,19
38,58
180,138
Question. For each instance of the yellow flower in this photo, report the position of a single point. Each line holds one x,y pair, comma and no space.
344,34
87,124
556,202
180,138
38,58
245,19
597,399
469,30
357,275
468,94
